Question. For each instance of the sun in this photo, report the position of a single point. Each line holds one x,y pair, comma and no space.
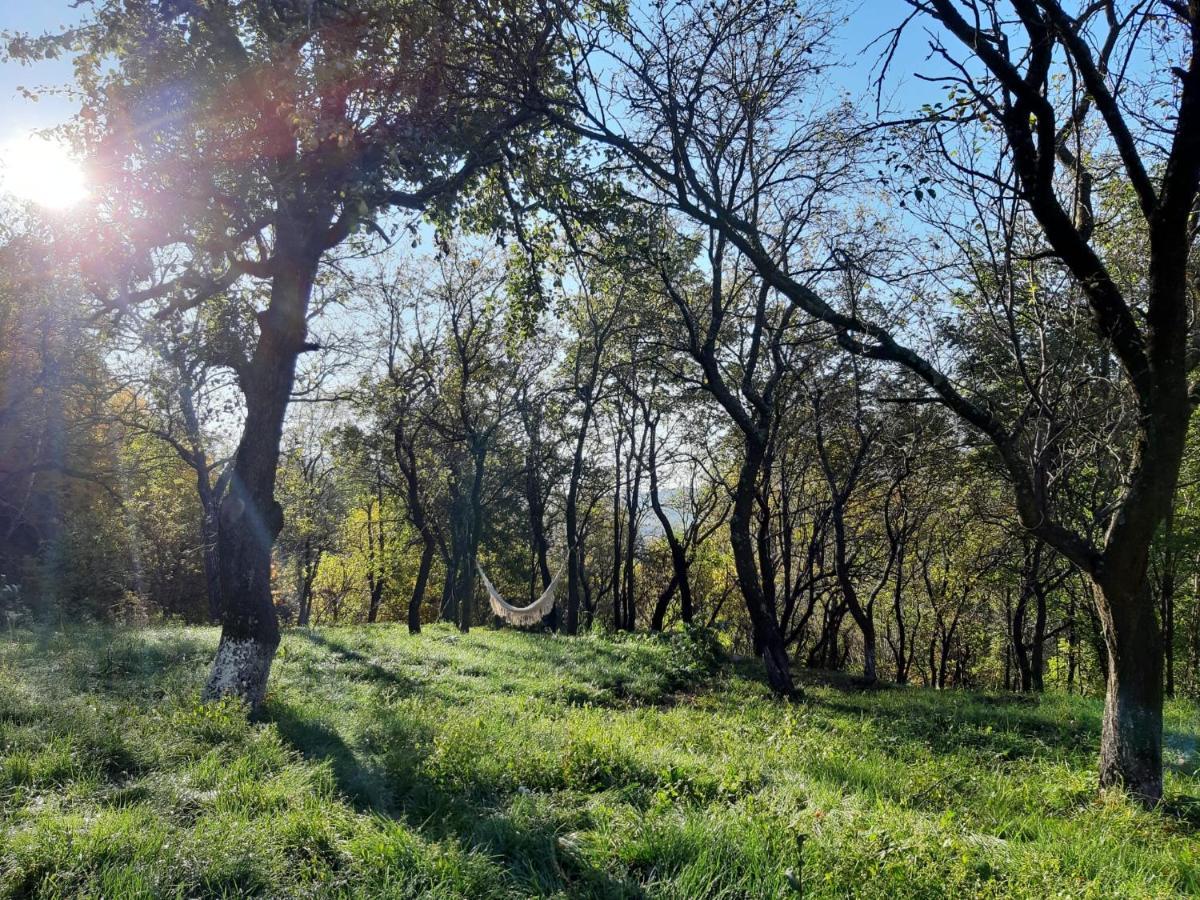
41,171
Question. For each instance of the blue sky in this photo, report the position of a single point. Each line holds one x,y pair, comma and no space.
18,114
867,20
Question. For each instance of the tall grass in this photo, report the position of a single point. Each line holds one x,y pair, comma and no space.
500,764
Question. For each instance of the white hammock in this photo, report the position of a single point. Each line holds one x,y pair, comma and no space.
521,615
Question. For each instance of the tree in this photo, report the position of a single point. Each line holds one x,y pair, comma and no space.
245,140
364,459
177,394
478,377
743,373
907,507
718,91
688,519
857,457
310,494
595,318
540,469
1040,574
61,462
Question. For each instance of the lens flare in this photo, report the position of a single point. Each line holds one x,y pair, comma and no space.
41,171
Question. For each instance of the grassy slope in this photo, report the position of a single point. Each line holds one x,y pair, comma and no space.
510,765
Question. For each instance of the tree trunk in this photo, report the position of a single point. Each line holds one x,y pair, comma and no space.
406,458
664,600
1168,626
537,510
1072,643
476,532
1131,738
1167,599
1037,658
1030,655
448,607
589,605
825,652
374,565
768,639
900,651
632,497
862,617
460,590
301,612
944,647
618,611
1017,639
250,518
572,522
209,524
1193,638
376,600
418,594
933,644
310,563
1008,667
571,625
468,529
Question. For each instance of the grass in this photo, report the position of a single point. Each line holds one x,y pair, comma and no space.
501,764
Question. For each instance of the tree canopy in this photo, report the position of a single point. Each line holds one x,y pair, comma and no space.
367,296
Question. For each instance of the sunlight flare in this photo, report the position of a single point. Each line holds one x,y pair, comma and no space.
42,171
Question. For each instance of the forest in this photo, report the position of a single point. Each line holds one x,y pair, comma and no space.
521,448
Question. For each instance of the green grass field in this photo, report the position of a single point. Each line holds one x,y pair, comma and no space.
508,765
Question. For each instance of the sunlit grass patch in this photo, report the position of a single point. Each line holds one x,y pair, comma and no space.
500,764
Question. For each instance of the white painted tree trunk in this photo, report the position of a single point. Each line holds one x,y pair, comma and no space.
240,669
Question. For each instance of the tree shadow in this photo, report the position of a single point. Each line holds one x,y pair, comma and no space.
1185,810
945,721
536,858
1007,732
1182,753
1008,727
365,786
366,669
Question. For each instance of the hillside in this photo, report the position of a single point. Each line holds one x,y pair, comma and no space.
500,764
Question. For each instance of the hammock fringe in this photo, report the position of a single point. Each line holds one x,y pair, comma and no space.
521,615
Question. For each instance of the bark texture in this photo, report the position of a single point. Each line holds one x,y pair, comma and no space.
250,517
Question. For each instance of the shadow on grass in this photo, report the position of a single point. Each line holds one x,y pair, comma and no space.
1007,727
536,861
364,786
1184,810
132,664
530,851
592,672
367,669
